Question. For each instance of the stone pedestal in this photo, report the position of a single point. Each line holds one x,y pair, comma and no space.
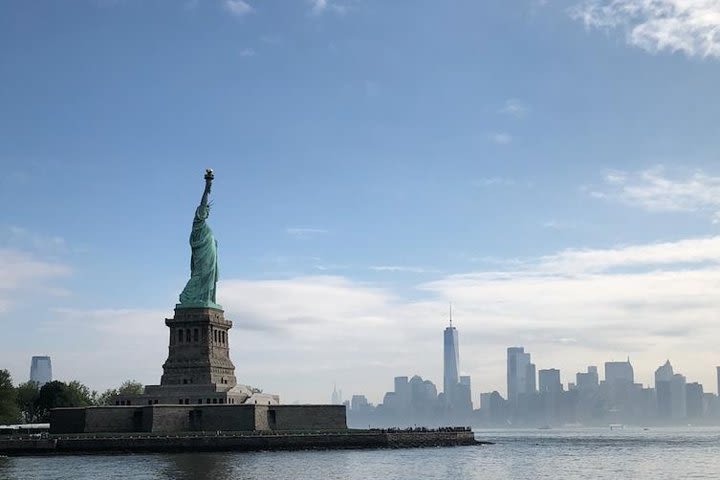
198,351
198,369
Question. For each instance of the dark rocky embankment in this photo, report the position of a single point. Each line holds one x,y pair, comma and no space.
233,441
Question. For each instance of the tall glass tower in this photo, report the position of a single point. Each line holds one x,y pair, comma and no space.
520,373
451,362
41,370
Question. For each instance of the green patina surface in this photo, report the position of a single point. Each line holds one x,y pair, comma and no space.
201,288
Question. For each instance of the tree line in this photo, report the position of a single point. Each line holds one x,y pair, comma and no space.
30,403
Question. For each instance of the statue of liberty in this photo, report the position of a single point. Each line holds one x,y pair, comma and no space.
200,289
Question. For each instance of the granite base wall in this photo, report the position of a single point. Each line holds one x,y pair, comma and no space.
195,418
111,419
307,417
236,418
67,420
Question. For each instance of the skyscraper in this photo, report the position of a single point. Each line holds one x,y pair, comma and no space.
619,372
402,391
694,402
678,391
359,403
663,380
463,399
549,380
520,373
587,381
530,377
41,370
336,398
451,357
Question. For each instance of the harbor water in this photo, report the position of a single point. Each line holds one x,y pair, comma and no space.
597,453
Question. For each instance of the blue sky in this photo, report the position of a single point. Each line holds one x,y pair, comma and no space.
550,167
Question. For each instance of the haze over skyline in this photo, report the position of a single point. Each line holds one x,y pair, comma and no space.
550,167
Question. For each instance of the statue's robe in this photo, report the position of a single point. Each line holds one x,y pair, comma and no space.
200,289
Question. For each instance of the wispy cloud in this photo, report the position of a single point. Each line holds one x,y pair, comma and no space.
515,108
325,267
495,182
24,239
22,269
247,52
688,26
122,340
501,138
305,232
658,190
25,274
238,7
704,251
319,7
557,225
399,268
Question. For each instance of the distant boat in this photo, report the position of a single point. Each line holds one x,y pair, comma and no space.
616,426
544,427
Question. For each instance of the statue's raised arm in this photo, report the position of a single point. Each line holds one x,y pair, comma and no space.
200,289
209,177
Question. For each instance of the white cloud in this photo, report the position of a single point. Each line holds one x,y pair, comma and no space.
122,343
304,232
515,108
688,26
558,225
28,264
657,190
247,52
398,268
293,304
496,182
501,138
24,239
682,252
24,277
319,7
237,7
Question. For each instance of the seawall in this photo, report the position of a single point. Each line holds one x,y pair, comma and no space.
232,441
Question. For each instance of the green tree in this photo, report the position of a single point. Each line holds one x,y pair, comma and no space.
9,411
130,387
58,394
107,397
27,400
80,395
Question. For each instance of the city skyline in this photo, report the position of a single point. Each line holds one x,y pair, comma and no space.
567,381
538,397
375,161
